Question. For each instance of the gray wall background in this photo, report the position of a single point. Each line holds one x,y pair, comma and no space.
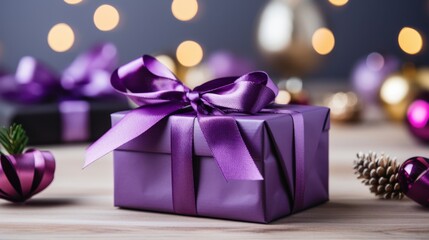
147,26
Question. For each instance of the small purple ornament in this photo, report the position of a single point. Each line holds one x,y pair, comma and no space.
418,118
24,175
413,176
369,73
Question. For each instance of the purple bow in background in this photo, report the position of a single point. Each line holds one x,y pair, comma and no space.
87,77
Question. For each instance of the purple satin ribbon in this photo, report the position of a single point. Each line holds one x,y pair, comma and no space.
24,175
159,94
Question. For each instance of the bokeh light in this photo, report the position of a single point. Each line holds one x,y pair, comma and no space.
410,40
72,2
283,97
189,53
394,90
61,37
167,61
275,31
184,10
323,41
106,17
375,61
418,114
339,2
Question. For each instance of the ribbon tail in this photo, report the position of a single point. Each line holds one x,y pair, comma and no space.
228,147
131,126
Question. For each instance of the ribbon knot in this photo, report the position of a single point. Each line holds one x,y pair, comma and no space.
194,98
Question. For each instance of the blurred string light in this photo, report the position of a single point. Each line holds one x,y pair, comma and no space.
276,27
61,37
73,2
167,61
184,10
106,17
394,90
410,40
339,3
189,53
323,41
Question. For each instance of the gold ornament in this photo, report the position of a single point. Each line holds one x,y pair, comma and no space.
345,106
291,92
397,92
285,32
380,172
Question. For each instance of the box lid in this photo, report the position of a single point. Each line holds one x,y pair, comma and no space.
252,128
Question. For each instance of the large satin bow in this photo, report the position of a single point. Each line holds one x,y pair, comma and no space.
159,93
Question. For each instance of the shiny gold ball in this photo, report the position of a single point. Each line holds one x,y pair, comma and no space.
285,34
397,92
345,107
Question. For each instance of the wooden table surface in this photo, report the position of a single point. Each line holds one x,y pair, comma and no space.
78,204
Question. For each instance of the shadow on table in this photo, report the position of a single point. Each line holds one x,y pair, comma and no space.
42,203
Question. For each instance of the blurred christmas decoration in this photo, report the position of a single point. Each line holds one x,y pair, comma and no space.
32,82
397,92
285,32
345,106
291,92
380,173
422,78
368,75
22,174
418,117
89,74
413,178
87,77
218,64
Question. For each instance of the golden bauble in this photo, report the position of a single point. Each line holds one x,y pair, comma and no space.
285,33
345,107
397,92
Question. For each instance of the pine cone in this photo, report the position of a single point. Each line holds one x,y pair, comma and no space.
380,173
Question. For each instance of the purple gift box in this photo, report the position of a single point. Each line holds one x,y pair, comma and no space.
143,168
219,150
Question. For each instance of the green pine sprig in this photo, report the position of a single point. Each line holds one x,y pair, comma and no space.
13,139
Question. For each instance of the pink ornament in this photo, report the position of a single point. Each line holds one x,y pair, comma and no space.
418,119
413,176
24,175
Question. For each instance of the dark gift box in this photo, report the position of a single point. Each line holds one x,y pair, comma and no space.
66,121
